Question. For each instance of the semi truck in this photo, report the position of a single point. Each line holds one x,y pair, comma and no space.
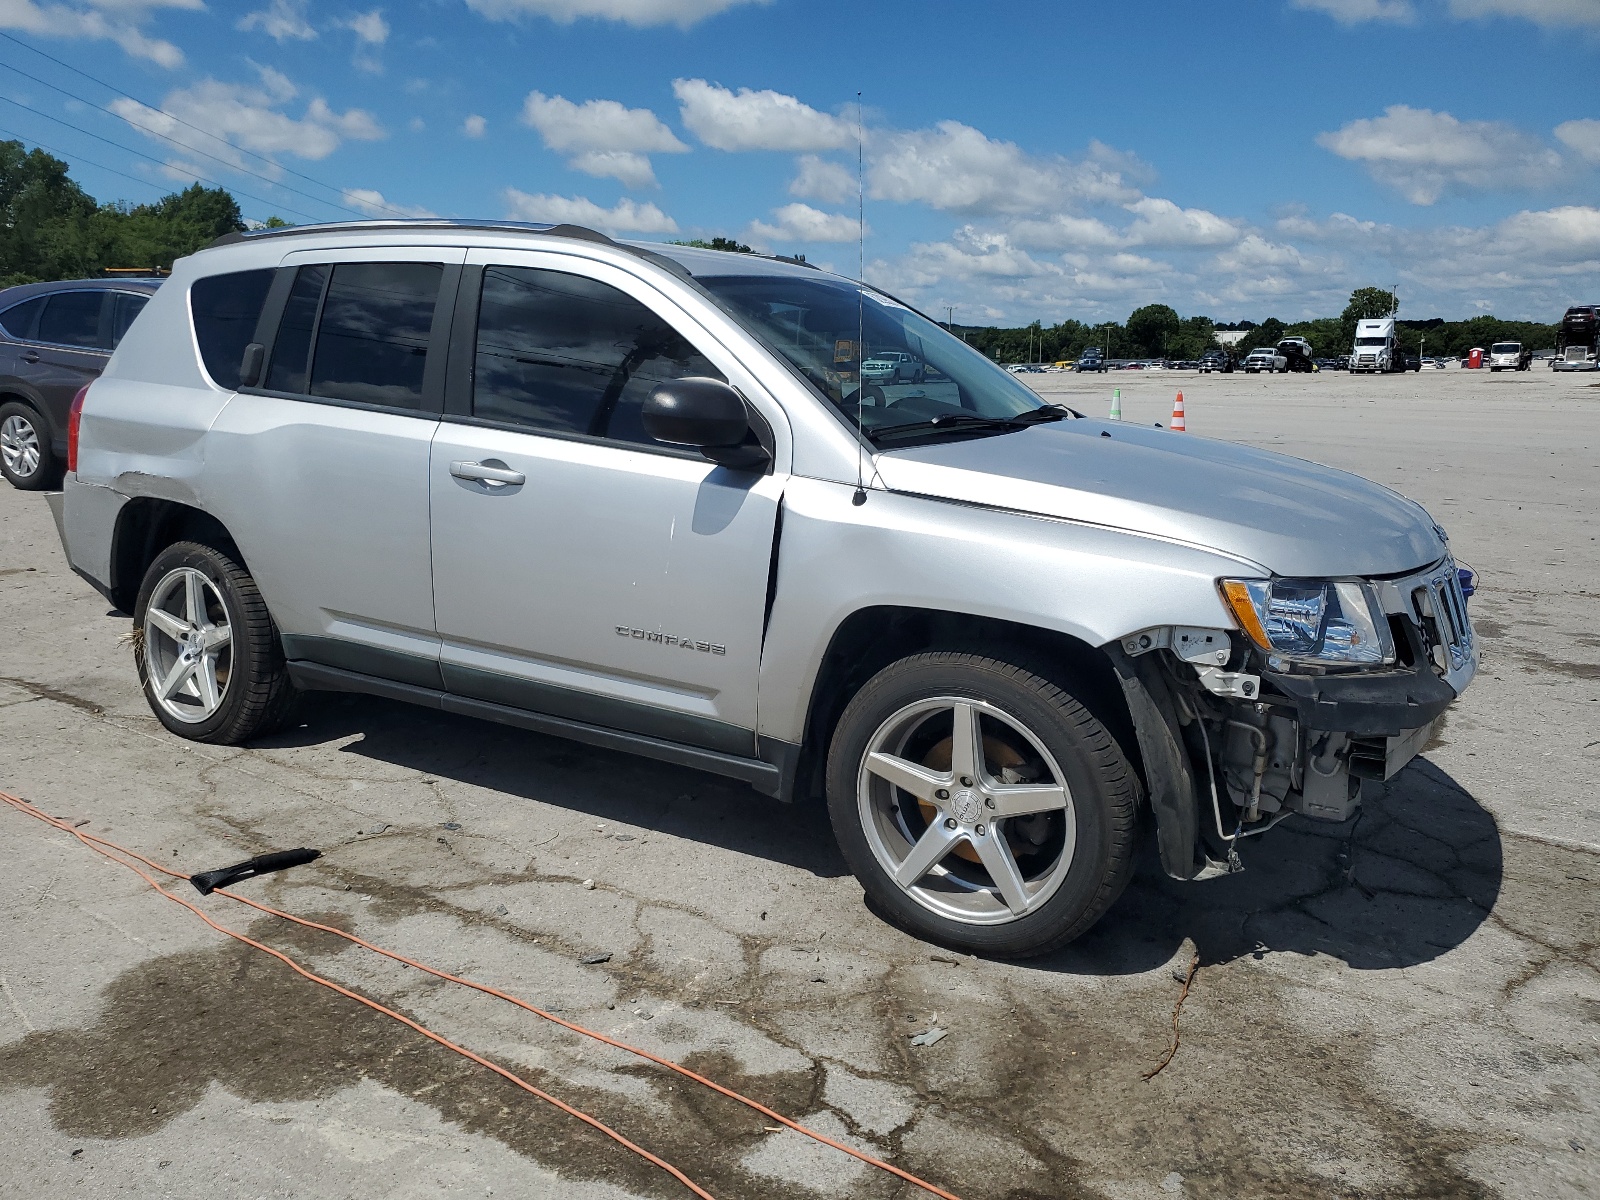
1376,349
1578,343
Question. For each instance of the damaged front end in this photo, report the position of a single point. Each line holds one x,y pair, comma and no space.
1325,685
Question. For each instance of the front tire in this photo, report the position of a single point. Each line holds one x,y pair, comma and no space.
980,805
27,459
209,655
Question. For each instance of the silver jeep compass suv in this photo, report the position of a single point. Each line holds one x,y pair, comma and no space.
643,498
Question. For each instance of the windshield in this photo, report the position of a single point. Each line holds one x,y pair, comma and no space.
818,325
1507,348
1372,341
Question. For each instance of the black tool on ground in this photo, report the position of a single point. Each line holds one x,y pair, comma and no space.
206,882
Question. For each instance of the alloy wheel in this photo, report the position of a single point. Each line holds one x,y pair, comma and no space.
966,811
19,446
188,645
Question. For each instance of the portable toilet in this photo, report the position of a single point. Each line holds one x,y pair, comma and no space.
1475,358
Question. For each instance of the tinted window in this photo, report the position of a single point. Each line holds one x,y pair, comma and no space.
125,306
570,355
72,319
19,320
291,352
372,339
226,309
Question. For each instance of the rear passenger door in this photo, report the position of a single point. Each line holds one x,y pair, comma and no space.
321,468
604,577
69,350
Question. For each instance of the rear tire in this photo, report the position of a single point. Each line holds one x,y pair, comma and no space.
1021,858
27,459
209,655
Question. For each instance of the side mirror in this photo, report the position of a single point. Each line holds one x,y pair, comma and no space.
708,415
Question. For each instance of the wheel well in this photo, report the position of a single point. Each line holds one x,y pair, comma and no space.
872,638
146,527
29,403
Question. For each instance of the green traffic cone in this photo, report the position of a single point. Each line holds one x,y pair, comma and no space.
1116,404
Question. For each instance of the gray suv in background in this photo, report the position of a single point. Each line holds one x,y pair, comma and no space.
640,496
54,339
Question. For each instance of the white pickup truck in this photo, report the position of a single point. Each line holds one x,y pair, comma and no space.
1264,358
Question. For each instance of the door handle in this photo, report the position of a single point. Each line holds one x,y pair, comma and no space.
30,357
491,472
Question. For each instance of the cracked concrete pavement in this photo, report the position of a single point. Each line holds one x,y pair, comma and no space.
1408,1008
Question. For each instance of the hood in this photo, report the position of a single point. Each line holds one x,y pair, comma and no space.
1293,517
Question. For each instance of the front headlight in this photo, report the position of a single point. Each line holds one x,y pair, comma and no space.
1311,621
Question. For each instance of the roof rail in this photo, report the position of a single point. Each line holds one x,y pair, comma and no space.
577,232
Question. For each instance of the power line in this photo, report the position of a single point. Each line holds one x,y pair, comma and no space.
88,162
232,166
111,87
188,125
150,157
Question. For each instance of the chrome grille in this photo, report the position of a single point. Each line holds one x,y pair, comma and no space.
1442,608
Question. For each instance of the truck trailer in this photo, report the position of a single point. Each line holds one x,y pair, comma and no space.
1578,343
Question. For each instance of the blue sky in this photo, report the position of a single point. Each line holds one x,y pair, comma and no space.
1022,160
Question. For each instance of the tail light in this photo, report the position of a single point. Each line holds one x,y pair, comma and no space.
74,420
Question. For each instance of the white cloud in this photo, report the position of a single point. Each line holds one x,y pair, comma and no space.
597,125
627,168
970,253
282,21
475,126
371,31
1355,12
247,116
602,137
750,120
957,168
1163,223
1582,138
682,13
626,216
1425,154
1337,227
802,223
818,179
1254,252
369,27
1552,14
373,204
1062,231
117,21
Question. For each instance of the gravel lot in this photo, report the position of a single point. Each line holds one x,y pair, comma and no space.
1423,1024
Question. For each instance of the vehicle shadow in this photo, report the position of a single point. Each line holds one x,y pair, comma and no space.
608,785
1409,880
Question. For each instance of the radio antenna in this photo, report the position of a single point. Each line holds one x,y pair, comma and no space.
860,496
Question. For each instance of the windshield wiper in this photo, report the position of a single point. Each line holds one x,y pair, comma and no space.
963,421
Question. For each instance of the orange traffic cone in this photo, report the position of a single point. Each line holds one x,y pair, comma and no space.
1177,415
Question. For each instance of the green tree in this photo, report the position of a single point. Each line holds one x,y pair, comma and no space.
717,243
1269,333
1151,327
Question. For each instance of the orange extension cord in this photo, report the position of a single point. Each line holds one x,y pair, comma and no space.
104,847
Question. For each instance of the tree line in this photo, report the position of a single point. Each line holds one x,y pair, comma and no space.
50,228
1157,331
